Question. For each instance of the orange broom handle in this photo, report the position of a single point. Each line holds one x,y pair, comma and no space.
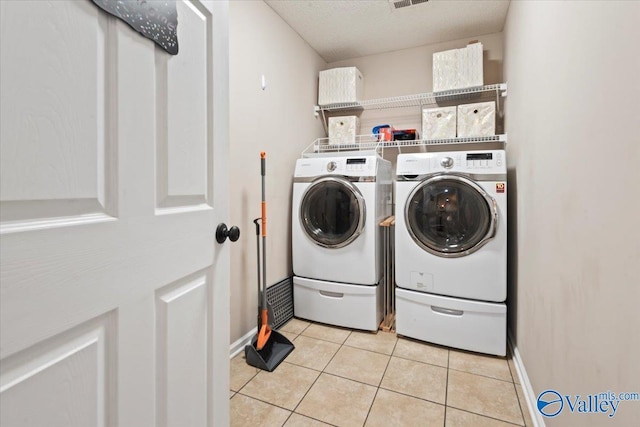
263,157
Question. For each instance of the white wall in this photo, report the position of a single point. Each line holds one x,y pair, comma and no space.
278,120
573,70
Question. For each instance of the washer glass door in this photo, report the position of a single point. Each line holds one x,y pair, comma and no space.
450,215
332,212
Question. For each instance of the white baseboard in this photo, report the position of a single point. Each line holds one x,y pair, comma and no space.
239,344
529,394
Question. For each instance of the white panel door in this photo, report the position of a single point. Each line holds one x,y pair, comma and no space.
114,295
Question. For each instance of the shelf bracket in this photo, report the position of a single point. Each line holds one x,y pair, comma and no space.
503,90
316,113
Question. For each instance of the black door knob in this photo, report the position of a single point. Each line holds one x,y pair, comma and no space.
222,232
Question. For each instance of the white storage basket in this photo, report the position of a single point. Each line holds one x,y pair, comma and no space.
439,123
340,85
477,119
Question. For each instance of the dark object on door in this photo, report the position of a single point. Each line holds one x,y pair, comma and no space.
156,20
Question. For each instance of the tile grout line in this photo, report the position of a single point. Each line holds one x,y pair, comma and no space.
265,402
404,393
483,376
315,381
372,351
301,331
454,369
515,389
446,390
510,357
248,381
371,406
379,383
412,396
269,404
485,416
291,412
326,340
489,416
419,361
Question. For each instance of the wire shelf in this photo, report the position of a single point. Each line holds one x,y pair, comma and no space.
413,100
370,143
468,140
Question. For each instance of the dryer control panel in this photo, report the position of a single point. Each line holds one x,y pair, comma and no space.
483,162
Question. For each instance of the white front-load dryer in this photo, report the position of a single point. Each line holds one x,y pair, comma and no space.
338,203
451,248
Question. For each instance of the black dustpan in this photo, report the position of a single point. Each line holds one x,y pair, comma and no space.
272,354
268,348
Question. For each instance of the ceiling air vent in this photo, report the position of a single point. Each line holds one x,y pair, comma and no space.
398,4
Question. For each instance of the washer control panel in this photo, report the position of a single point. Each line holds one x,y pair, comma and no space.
347,166
356,164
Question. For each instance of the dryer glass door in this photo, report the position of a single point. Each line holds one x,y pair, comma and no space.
332,212
450,215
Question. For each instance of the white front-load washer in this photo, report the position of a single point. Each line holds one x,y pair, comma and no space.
451,248
338,203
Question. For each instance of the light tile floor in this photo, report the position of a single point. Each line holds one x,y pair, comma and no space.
336,376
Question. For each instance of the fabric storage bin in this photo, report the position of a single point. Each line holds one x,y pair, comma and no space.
464,324
343,129
477,119
439,123
340,85
350,306
445,70
458,68
470,66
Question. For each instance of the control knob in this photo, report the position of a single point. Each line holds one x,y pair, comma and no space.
446,162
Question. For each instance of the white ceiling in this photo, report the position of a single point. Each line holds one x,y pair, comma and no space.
339,29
